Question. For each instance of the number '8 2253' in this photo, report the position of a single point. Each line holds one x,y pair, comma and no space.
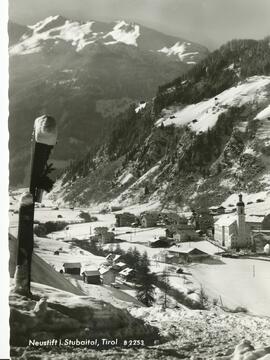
133,342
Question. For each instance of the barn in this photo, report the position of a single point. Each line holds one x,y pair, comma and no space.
187,255
72,268
125,219
91,277
149,219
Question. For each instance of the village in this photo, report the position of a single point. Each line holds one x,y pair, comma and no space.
189,249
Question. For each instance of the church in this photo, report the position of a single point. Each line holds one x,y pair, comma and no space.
235,231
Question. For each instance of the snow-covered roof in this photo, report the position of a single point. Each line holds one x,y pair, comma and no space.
104,270
126,271
120,263
226,220
216,207
113,257
191,250
91,272
72,265
254,218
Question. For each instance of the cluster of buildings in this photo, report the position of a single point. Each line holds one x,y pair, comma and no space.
113,268
240,231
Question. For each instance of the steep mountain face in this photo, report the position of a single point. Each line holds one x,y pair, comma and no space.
84,74
205,136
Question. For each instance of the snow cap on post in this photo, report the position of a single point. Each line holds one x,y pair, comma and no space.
26,199
45,130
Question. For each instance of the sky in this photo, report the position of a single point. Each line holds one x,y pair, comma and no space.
208,22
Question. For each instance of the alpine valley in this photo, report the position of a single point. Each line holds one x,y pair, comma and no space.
204,136
84,74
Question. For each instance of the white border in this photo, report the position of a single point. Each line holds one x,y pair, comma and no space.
4,252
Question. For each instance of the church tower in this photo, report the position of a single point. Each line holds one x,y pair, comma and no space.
241,223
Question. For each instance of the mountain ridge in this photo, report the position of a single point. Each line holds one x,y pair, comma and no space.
168,150
85,89
81,34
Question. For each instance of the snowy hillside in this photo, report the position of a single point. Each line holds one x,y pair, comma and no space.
204,115
206,132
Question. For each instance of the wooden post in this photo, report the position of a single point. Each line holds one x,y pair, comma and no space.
45,135
25,245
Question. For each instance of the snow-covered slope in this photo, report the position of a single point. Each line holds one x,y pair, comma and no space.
56,29
204,115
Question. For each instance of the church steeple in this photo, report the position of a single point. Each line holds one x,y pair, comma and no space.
241,222
240,202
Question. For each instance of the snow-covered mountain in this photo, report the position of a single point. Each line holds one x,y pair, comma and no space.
84,74
56,29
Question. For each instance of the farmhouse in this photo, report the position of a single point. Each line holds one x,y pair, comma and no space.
162,241
182,232
72,268
169,218
258,222
187,255
235,231
217,210
125,219
103,235
127,274
113,258
119,266
91,277
107,275
149,219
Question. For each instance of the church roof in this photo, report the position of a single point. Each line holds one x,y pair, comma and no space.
226,220
254,218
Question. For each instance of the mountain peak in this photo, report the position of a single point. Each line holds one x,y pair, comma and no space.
77,34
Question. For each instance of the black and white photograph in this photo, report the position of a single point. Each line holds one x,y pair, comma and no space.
139,179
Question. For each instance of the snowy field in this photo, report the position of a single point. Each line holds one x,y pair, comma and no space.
45,247
239,282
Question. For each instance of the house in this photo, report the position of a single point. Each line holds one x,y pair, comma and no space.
119,266
107,237
113,258
259,239
127,274
72,268
169,218
182,232
258,222
217,210
125,219
103,235
107,275
116,208
235,230
162,241
187,255
91,277
149,219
